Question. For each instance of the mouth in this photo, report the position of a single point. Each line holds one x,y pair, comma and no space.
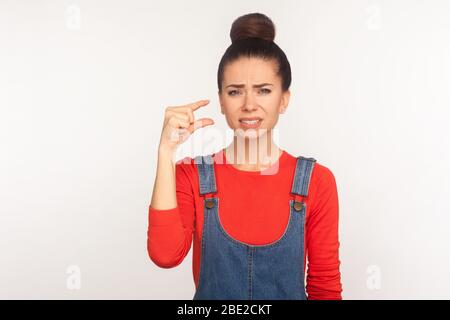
250,122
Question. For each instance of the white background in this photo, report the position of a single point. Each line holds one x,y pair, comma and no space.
83,88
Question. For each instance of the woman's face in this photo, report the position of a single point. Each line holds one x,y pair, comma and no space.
251,89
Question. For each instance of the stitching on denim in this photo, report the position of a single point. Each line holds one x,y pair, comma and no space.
212,174
205,226
302,175
207,180
250,272
302,247
307,179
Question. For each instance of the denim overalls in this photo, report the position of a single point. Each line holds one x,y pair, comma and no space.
233,270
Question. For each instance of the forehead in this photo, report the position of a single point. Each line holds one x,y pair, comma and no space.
250,70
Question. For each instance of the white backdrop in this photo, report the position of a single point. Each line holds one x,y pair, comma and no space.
83,88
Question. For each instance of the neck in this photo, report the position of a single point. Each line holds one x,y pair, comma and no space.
254,154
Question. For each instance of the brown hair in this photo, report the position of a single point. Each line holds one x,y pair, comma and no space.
252,35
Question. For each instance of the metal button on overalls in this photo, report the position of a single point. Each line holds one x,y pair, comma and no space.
209,203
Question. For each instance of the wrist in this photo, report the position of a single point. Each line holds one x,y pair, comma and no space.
165,153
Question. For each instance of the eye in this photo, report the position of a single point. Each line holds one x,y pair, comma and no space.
231,92
267,91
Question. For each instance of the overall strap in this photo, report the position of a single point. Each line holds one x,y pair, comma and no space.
206,174
302,178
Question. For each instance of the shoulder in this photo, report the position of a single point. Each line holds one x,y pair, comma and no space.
190,163
322,174
322,179
185,170
323,188
184,162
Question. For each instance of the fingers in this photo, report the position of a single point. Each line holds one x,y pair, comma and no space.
200,123
178,113
189,109
182,116
184,112
177,122
180,135
183,134
196,105
190,113
182,121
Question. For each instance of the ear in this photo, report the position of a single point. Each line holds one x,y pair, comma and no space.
285,101
221,103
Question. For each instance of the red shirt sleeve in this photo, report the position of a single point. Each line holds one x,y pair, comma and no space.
323,275
169,235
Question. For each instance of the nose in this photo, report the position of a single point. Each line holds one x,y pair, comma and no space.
250,103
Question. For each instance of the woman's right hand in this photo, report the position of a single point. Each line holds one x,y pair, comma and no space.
179,124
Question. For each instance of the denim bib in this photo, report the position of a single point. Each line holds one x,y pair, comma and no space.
234,270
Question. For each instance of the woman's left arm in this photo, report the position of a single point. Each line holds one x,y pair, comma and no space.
322,239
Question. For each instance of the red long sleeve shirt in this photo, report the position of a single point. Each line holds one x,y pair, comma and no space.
251,214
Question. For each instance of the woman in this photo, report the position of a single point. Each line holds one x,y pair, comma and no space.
254,223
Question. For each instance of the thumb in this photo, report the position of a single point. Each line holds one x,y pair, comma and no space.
200,123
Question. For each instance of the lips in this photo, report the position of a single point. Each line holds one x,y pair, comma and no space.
254,122
250,118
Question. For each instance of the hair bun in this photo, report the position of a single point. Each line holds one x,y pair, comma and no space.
252,25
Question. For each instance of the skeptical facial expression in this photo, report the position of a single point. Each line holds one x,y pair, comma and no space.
252,96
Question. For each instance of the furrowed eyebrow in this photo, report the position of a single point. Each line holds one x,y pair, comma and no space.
254,86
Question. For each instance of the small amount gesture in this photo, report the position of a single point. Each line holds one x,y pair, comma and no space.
179,124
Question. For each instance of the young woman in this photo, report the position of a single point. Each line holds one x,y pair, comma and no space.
254,224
